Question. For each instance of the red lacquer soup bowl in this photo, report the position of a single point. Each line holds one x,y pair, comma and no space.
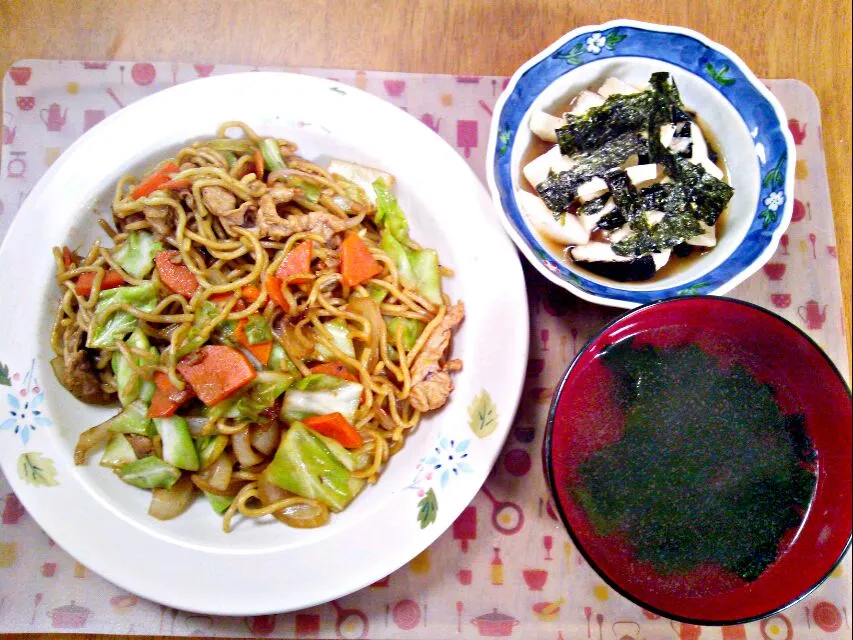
584,419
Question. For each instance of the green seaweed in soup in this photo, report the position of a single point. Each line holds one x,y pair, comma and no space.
709,469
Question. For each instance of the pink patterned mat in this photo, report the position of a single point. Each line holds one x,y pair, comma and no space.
480,567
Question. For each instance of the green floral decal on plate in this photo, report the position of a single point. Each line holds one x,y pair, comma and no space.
592,46
427,509
720,76
483,415
5,380
37,470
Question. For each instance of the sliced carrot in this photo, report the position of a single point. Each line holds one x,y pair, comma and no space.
259,163
215,372
296,262
167,397
261,351
251,293
174,185
336,369
111,280
154,181
67,258
334,425
273,285
357,264
177,278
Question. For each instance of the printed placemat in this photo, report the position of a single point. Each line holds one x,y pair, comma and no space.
506,567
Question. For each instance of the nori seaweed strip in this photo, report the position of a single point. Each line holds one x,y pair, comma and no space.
611,220
666,234
709,195
676,227
559,190
627,198
641,268
619,114
592,207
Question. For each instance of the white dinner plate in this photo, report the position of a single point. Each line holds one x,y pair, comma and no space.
262,566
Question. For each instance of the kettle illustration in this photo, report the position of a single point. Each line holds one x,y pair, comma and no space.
53,117
812,314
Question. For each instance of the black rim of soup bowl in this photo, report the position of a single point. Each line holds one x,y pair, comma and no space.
549,473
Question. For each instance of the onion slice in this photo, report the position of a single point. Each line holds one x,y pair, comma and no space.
367,308
265,437
169,503
242,446
90,439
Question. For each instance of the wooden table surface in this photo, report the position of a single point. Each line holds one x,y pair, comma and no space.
810,41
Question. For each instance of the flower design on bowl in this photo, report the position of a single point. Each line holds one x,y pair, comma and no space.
595,43
775,200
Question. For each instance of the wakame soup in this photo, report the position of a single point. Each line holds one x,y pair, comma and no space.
696,465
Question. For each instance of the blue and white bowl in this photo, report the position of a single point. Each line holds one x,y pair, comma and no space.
745,121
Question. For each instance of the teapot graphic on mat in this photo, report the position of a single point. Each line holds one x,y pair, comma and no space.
812,314
53,117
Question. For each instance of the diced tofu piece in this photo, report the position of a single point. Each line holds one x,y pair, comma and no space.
642,174
536,171
679,145
667,133
585,101
654,217
544,125
614,86
591,190
639,175
596,252
590,222
708,237
661,258
620,234
567,230
700,153
361,175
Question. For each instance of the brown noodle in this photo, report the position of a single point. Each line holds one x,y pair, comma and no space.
226,257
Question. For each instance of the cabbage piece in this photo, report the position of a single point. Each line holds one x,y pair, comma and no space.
143,389
320,394
178,446
136,254
115,325
149,473
411,330
337,328
304,465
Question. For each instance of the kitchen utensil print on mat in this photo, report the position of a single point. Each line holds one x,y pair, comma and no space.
507,516
812,314
465,527
350,623
495,624
54,117
776,627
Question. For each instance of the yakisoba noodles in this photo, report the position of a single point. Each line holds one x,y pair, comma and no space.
269,328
